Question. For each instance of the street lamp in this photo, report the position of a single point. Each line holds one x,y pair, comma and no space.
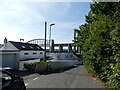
49,66
45,41
50,36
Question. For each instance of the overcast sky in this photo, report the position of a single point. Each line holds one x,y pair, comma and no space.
25,20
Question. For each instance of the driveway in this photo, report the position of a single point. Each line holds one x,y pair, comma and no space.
73,78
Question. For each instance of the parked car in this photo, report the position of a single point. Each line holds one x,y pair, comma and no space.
9,81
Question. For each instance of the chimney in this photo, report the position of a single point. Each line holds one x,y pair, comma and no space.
5,43
22,40
5,40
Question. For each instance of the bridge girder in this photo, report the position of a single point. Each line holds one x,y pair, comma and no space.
41,42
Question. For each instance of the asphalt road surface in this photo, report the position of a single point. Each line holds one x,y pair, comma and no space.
73,78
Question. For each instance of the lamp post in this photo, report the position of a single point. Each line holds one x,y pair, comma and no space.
45,41
49,66
50,36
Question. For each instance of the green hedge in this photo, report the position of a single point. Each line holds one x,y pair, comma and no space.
99,39
32,66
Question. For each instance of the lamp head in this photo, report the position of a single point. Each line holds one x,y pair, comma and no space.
52,24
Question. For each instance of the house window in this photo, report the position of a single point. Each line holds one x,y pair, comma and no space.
58,57
38,47
25,53
23,46
34,53
31,47
41,53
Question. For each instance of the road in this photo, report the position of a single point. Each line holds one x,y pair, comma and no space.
73,78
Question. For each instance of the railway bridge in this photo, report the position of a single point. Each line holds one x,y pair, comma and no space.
56,47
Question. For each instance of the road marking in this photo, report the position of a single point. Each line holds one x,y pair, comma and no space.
26,84
35,78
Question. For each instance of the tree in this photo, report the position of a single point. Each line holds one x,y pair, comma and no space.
99,39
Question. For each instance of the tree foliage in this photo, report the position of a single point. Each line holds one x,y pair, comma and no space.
99,39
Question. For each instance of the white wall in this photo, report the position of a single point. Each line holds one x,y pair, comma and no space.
0,60
8,46
9,59
62,56
0,45
31,55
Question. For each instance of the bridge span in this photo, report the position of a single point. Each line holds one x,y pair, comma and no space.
61,47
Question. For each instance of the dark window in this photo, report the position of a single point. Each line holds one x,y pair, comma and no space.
38,47
41,53
23,46
34,53
25,53
31,47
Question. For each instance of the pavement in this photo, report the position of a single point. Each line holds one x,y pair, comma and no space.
72,78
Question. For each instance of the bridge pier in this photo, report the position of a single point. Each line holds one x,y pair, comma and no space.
69,48
78,49
52,46
60,48
75,49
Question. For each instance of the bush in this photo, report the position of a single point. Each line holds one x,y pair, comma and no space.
99,39
30,66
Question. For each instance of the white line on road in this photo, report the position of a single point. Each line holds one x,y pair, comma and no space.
26,84
35,78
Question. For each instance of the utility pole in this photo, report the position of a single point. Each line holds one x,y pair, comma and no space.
50,37
45,41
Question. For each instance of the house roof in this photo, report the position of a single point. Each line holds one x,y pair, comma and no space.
1,45
26,46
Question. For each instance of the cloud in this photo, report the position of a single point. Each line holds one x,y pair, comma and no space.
5,12
64,31
2,23
10,35
26,20
50,10
68,25
28,13
58,10
20,12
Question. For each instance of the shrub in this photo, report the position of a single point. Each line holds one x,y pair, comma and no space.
99,39
30,66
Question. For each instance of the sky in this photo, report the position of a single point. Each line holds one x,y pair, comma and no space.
26,19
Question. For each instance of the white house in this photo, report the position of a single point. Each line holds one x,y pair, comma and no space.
1,45
27,51
9,58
